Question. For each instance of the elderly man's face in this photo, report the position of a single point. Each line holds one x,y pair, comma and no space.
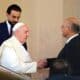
23,33
65,29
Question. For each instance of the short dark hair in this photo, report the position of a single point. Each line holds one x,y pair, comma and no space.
75,27
13,7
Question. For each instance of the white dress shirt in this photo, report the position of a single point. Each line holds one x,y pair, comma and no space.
8,26
20,63
71,38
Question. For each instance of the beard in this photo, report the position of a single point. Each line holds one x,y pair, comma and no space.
12,23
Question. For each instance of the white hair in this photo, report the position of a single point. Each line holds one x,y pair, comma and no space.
17,26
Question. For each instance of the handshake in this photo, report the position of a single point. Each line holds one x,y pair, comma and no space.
42,63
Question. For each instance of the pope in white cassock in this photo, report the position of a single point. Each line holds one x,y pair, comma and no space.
13,55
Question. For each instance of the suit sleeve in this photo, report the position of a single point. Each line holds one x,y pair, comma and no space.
50,61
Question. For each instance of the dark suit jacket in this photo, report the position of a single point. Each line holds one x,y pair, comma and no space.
4,34
70,53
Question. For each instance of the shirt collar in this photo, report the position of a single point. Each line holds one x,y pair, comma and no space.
9,26
69,39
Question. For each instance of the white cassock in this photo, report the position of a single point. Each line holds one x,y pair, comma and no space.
14,57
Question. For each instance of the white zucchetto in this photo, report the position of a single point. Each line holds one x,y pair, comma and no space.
17,26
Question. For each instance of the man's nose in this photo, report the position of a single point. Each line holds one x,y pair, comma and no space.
16,19
27,34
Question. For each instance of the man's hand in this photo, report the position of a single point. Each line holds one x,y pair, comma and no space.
42,63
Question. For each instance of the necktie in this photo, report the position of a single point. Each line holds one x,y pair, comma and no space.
11,30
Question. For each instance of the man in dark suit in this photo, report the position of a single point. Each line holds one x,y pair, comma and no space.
13,14
71,50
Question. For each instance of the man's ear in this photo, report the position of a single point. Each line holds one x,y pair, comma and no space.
7,14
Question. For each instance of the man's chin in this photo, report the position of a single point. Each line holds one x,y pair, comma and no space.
63,35
14,23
